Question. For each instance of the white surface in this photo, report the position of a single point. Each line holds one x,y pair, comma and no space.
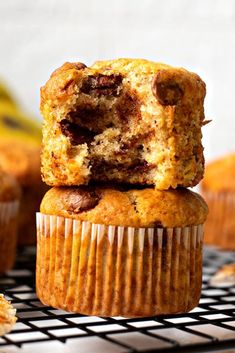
38,36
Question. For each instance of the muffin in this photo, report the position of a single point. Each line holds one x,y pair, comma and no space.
9,204
7,316
22,160
126,121
224,276
131,252
218,188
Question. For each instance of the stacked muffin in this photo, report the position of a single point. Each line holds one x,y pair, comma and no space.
114,237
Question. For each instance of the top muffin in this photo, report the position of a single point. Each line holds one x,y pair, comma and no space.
125,120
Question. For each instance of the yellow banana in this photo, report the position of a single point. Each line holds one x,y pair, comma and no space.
15,124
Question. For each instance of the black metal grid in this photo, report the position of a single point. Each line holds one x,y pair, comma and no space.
208,327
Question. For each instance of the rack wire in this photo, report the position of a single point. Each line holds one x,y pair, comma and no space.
209,327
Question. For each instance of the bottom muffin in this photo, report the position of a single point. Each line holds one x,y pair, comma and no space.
109,252
9,205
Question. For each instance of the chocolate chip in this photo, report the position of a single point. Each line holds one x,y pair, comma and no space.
77,134
102,85
138,166
135,142
82,199
86,114
165,89
79,66
128,105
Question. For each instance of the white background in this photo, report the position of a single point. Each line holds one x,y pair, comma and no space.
36,36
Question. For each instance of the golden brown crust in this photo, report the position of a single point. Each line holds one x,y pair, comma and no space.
135,208
220,175
9,188
161,105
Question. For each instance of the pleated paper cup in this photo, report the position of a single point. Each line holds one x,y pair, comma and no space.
220,223
8,234
117,271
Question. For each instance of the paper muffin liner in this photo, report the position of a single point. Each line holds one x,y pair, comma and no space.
110,271
220,223
8,234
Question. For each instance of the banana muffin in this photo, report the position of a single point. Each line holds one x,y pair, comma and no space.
22,160
218,188
9,204
125,120
116,251
7,316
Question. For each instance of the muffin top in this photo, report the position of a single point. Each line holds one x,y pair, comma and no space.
146,207
22,160
220,175
9,187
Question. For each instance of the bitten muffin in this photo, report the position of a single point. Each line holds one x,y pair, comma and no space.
128,252
218,188
22,160
125,120
7,316
9,204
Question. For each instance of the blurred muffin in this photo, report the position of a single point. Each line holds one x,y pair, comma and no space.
22,160
20,139
224,276
218,189
109,251
7,316
125,120
9,204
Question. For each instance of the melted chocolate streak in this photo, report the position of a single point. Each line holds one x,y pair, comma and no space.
77,134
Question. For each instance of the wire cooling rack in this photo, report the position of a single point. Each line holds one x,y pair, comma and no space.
209,327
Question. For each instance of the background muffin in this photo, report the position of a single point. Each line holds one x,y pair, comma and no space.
20,139
7,316
9,204
22,160
218,188
110,252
